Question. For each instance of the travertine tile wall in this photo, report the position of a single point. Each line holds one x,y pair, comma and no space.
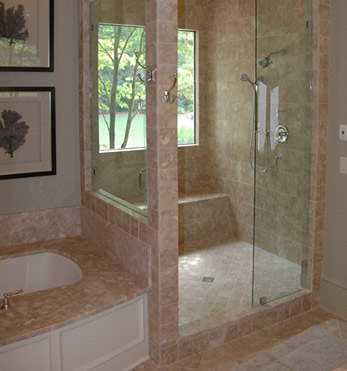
282,193
231,53
202,217
132,12
39,225
321,17
127,166
220,162
162,181
196,173
161,231
122,237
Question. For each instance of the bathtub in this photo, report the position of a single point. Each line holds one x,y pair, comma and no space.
79,311
36,272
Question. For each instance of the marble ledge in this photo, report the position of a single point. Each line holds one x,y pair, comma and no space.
104,285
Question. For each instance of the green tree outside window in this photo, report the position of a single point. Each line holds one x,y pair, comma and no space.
122,95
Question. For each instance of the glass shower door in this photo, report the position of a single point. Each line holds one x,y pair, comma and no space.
282,149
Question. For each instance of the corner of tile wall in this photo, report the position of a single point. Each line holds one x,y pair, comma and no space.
123,236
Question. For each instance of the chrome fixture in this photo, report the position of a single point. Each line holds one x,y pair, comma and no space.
167,93
5,302
263,300
245,78
279,157
142,186
264,63
150,72
281,134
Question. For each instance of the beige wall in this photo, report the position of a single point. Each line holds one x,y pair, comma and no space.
196,173
282,193
334,275
220,162
62,189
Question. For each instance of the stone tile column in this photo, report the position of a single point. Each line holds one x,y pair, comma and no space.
162,181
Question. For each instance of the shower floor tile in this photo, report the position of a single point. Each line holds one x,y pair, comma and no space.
208,304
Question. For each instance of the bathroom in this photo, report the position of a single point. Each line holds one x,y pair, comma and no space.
148,245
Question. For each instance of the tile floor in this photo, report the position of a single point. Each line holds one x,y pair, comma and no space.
243,351
204,305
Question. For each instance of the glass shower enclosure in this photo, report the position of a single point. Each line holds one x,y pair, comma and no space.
118,88
282,148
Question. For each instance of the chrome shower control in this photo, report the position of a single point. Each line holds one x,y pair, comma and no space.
281,134
278,158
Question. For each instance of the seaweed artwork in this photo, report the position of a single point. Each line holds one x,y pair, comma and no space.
12,24
12,131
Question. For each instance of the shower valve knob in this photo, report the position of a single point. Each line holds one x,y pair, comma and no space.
281,134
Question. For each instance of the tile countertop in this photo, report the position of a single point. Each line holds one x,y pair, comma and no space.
104,285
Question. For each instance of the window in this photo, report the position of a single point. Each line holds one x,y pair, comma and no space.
122,94
186,105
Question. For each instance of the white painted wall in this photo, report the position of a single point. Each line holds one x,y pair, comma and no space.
334,275
63,189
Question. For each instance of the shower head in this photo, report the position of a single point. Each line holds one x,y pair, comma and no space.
264,63
244,77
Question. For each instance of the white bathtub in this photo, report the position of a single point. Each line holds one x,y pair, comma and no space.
37,272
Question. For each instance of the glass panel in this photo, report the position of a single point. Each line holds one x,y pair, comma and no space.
118,40
122,95
282,149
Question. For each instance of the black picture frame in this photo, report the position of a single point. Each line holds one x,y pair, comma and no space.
32,152
35,54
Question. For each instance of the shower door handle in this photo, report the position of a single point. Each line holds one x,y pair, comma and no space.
141,182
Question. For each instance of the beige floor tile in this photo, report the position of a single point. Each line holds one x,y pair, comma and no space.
191,362
235,353
208,304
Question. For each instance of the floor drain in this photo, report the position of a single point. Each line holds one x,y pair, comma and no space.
208,279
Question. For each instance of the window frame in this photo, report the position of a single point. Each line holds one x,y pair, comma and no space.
196,87
195,94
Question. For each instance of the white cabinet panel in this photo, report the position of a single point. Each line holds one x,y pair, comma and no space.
114,340
27,355
90,344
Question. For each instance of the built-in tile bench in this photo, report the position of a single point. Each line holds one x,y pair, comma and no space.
203,216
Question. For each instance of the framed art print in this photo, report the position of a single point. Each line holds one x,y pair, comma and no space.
26,35
27,132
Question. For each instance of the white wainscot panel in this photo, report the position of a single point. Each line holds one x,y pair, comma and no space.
114,340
